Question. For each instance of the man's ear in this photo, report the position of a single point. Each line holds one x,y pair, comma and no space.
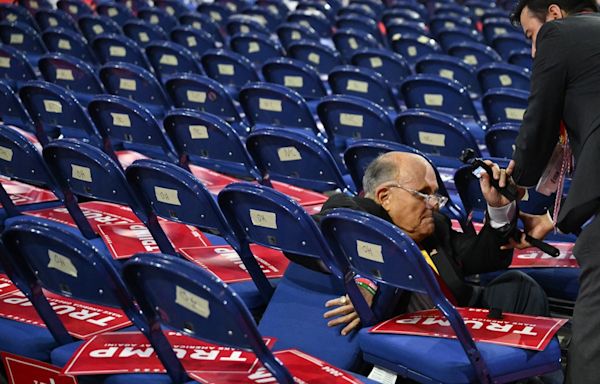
383,196
555,13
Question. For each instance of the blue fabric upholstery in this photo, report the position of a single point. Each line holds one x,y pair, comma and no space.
25,339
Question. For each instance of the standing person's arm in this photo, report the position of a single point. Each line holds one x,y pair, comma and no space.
540,129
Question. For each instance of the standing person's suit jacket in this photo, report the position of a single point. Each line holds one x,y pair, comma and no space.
454,254
565,85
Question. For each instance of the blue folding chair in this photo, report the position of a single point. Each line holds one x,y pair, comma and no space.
55,18
12,13
119,13
202,23
57,113
444,8
425,359
158,17
71,73
206,95
441,22
289,33
218,13
134,5
12,111
364,83
296,75
296,159
497,75
143,33
196,41
401,13
450,68
70,43
127,125
168,58
34,5
15,68
277,7
74,8
442,137
172,7
322,57
413,47
505,105
449,37
255,47
497,26
95,25
314,19
350,41
241,24
360,23
120,49
413,9
230,69
500,139
209,141
508,43
475,54
392,66
354,9
267,104
521,58
405,27
24,38
317,6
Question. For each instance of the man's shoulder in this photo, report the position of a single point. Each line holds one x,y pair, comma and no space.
340,200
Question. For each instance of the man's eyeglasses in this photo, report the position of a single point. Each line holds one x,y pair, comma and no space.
431,200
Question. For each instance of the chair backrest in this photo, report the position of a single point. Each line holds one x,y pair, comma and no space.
474,53
203,94
125,124
295,159
68,42
228,68
202,22
239,24
143,33
195,40
438,93
255,47
392,66
315,19
322,57
496,75
119,48
412,46
505,105
521,58
218,13
441,22
158,17
15,68
198,304
316,6
172,7
276,105
209,141
401,13
34,5
497,26
24,38
11,13
510,42
450,68
437,134
405,27
349,41
55,18
12,110
364,83
71,73
500,139
360,23
379,250
119,13
55,112
95,25
289,33
74,8
449,37
296,75
168,58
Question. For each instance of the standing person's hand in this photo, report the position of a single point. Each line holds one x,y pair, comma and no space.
492,196
537,226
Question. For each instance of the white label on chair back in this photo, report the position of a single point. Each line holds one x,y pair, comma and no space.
423,39
117,51
226,69
296,35
376,62
61,263
11,17
191,41
53,22
73,9
216,16
314,58
64,44
196,96
470,59
192,302
198,132
272,105
412,51
127,84
446,73
169,60
170,10
4,62
430,138
143,36
351,120
369,251
352,43
304,23
166,195
396,36
154,19
263,219
81,173
244,29
293,81
382,375
64,74
449,25
500,31
196,25
98,29
52,106
253,47
261,19
121,119
6,154
357,86
16,38
514,113
288,154
112,12
433,100
505,80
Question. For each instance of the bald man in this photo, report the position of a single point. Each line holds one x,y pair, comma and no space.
402,189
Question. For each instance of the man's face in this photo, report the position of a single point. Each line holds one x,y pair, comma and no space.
408,210
531,24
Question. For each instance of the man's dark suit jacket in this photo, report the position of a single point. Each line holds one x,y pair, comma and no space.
565,85
454,254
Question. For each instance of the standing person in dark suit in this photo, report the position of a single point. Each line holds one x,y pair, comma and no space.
565,102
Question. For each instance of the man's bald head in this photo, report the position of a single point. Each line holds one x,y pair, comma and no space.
401,167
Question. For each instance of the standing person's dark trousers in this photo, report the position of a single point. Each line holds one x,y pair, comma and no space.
515,292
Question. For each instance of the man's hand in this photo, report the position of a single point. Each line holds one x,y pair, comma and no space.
537,226
345,313
492,196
